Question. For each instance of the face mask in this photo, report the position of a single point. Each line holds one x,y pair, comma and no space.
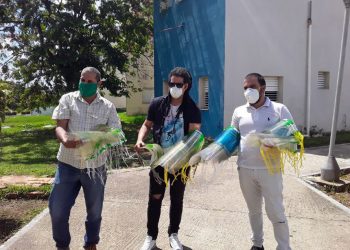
87,89
175,92
252,95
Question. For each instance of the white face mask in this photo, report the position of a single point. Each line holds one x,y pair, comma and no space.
252,95
176,92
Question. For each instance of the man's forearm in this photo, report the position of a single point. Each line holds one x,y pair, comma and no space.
61,134
143,133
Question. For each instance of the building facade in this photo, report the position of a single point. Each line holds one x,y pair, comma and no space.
220,41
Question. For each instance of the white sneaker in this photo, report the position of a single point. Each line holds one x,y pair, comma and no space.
175,243
149,243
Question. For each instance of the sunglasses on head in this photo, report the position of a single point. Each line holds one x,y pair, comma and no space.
178,85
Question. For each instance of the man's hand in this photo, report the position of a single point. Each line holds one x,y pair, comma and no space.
139,145
268,142
61,133
71,143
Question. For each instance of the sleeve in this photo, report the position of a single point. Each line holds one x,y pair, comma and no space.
62,111
113,118
235,120
285,114
151,115
195,116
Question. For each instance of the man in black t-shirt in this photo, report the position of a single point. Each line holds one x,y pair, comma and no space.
170,118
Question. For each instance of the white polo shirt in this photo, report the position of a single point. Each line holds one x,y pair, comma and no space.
84,117
249,120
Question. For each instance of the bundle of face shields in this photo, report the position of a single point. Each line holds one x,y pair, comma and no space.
220,150
280,144
96,143
175,161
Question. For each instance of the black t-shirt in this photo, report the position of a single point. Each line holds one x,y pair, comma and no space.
159,109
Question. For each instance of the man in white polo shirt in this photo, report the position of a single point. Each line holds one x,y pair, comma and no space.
82,110
258,114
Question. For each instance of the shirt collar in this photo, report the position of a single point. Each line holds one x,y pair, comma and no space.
79,97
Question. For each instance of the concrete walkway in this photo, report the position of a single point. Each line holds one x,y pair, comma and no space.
215,215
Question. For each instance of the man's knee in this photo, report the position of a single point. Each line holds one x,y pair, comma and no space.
59,214
177,199
156,197
277,218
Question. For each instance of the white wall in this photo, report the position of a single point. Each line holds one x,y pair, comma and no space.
326,40
138,102
119,102
270,37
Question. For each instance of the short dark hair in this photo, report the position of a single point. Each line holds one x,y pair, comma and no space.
260,78
184,73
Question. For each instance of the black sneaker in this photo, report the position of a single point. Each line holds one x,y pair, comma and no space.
257,248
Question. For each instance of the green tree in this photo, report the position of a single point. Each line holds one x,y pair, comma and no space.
45,43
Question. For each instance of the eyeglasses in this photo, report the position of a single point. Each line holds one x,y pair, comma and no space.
178,85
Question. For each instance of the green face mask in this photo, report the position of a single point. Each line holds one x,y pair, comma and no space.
87,89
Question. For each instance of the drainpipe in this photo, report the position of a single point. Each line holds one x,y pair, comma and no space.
308,70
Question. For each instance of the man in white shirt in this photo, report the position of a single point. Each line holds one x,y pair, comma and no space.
257,115
82,110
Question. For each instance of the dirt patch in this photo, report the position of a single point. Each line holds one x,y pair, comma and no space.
24,180
339,190
343,196
14,214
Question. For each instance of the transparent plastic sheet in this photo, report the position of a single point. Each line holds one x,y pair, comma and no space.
95,143
99,148
155,152
280,144
175,161
220,150
206,173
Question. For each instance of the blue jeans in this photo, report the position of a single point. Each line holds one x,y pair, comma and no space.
68,181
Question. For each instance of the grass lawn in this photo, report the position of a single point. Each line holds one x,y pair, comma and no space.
28,145
342,137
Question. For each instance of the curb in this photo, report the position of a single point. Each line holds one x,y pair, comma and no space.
323,195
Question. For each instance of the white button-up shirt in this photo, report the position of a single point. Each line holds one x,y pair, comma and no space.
84,117
249,120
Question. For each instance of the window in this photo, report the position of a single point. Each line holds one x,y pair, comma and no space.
323,80
204,93
147,95
273,84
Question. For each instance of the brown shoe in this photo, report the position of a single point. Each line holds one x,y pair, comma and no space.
91,247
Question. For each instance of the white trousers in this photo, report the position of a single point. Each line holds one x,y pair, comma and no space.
257,184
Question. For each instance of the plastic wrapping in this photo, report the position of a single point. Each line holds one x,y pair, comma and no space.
177,158
220,150
99,148
279,144
153,153
95,143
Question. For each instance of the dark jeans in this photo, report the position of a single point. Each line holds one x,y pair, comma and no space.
177,190
68,181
